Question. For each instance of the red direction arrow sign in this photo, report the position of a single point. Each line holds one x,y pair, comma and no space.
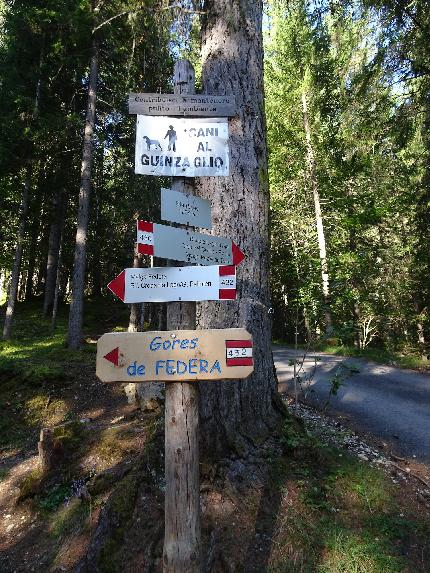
113,356
183,245
165,284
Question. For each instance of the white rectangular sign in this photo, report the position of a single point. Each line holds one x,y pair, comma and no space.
186,209
184,245
183,147
163,284
182,104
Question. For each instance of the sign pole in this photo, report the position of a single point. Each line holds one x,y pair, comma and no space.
182,537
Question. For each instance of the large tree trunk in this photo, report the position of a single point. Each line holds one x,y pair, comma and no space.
53,250
318,215
78,284
237,415
14,281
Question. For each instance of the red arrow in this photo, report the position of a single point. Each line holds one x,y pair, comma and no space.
117,286
113,356
238,255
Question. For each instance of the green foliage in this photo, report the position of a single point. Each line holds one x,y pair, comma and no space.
69,436
293,435
52,499
380,355
30,485
36,366
69,519
348,553
357,68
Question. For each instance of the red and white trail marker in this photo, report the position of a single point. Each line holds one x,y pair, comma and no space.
238,353
184,245
164,284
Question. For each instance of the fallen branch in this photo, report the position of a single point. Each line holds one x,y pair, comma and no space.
419,478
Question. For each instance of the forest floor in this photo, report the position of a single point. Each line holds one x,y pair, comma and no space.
327,501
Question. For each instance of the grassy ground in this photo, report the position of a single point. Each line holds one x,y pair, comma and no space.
339,515
36,367
320,510
380,355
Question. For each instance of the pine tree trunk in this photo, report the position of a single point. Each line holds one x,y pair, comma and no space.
318,216
32,251
14,281
53,251
78,282
56,299
236,416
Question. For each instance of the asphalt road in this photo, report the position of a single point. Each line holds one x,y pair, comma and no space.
387,402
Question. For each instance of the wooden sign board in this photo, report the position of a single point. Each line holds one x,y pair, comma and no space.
184,245
174,356
164,284
184,147
179,207
182,105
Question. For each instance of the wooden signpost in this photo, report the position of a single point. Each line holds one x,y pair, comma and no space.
186,209
185,245
174,356
182,147
182,105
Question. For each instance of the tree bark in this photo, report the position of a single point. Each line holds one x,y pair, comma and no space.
236,416
182,533
14,281
78,281
318,216
32,251
57,287
53,250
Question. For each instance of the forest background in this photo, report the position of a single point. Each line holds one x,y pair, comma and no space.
348,110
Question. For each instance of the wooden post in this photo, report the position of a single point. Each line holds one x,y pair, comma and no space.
182,502
45,447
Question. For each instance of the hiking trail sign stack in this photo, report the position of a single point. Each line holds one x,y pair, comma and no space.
180,135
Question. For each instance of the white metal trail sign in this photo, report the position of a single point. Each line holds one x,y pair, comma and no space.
183,245
175,356
163,284
179,207
185,147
